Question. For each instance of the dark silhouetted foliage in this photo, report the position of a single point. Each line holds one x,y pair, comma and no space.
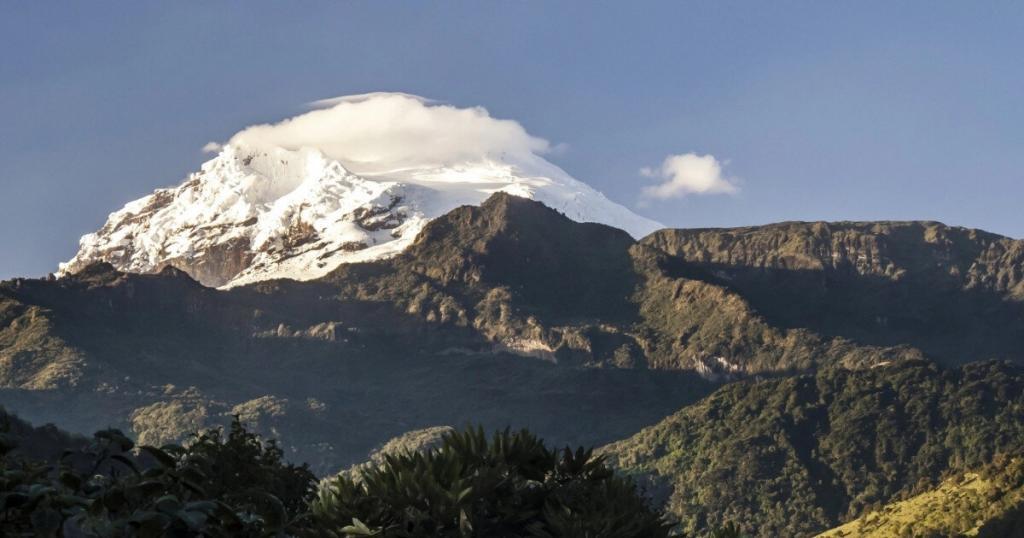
214,486
508,485
232,483
241,462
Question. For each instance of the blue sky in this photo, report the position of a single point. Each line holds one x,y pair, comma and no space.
819,110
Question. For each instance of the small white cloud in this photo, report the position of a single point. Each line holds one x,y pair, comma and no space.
212,147
686,174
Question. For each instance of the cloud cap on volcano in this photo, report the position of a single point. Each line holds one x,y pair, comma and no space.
380,132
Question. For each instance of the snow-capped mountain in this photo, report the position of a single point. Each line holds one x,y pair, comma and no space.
254,213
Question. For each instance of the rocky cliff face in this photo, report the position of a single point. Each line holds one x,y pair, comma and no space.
935,287
970,259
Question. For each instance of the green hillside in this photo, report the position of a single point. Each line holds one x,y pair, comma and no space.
984,503
799,455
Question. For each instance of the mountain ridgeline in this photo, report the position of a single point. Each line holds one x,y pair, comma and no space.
510,313
953,293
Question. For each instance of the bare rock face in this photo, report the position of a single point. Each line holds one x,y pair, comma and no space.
219,264
879,283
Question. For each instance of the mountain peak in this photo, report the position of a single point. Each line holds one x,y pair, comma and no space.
255,213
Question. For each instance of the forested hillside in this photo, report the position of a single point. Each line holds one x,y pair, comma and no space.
986,503
799,455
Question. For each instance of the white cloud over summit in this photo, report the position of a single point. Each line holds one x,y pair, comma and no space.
381,132
686,174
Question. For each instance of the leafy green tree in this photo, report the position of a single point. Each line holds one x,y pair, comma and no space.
510,485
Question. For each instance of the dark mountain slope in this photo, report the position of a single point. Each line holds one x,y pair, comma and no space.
955,293
554,271
447,332
525,278
794,456
533,282
694,324
334,367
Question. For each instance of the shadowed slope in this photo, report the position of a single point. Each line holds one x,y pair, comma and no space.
795,456
447,332
955,293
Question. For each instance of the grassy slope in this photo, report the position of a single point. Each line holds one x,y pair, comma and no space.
959,506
